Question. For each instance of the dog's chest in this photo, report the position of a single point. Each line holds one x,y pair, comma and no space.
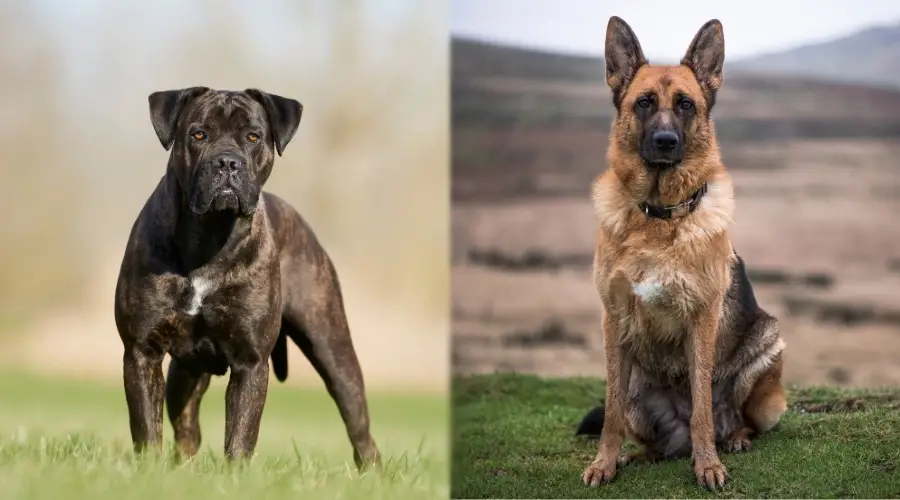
665,296
663,299
210,301
198,340
657,329
198,291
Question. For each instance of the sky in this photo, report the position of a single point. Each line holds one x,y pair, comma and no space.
665,28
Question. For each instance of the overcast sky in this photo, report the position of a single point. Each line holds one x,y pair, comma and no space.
666,27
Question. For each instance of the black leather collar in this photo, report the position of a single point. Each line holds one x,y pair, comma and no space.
671,211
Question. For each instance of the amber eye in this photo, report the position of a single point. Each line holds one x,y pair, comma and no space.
252,138
199,135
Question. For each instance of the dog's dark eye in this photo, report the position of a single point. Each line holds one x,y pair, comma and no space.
643,102
686,104
252,138
199,135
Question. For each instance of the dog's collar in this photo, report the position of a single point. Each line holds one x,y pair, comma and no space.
672,211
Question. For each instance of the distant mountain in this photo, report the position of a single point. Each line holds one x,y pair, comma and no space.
529,122
871,56
503,83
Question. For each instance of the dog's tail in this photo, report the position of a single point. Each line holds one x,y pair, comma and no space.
280,356
592,423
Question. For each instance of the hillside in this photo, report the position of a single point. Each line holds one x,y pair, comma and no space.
496,89
814,168
538,86
871,56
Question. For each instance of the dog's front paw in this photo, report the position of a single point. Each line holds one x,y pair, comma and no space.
599,472
711,475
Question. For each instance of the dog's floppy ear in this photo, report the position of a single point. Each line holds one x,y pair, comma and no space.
284,116
165,108
623,57
706,56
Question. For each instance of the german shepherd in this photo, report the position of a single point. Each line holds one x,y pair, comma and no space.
692,361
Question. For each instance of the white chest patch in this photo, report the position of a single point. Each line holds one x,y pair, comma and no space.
647,290
199,288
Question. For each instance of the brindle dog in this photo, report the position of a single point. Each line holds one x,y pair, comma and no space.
219,274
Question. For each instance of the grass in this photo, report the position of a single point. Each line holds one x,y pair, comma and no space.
513,437
70,439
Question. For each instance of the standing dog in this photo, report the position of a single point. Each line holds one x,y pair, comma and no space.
692,360
219,274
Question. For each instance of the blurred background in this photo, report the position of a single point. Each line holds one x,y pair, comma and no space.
367,167
808,122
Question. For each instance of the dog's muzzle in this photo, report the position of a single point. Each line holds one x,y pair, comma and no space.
662,149
223,183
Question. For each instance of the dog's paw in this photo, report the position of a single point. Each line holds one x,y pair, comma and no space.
636,457
599,472
711,475
738,441
626,459
738,444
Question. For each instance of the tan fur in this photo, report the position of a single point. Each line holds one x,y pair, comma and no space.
663,283
767,402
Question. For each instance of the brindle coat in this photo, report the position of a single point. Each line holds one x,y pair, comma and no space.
219,274
692,360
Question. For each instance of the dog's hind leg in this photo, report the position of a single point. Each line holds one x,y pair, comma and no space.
184,390
331,353
279,355
767,402
762,409
317,323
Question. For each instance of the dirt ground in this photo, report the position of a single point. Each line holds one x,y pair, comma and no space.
818,231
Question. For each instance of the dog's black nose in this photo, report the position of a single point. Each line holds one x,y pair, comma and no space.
665,140
228,163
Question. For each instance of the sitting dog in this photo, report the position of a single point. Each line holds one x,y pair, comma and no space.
692,360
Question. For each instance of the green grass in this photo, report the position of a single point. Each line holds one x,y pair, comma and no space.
513,437
70,439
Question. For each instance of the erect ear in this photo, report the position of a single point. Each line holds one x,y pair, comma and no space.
283,113
706,56
623,57
165,108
